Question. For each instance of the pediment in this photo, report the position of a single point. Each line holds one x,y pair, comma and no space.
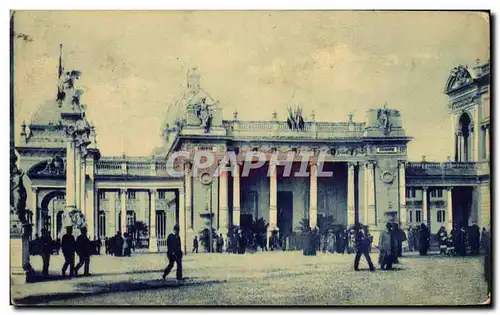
460,76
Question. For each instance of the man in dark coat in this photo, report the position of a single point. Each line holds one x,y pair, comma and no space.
83,248
423,239
474,239
174,254
487,264
461,242
118,244
362,246
68,246
386,245
485,239
46,251
195,244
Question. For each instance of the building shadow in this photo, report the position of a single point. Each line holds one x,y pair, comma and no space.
95,289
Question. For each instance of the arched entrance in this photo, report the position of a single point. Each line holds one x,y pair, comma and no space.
52,207
464,139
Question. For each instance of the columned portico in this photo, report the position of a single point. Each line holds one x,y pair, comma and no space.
313,196
223,201
236,195
425,209
188,183
153,246
403,211
123,209
351,214
78,179
273,198
369,194
449,208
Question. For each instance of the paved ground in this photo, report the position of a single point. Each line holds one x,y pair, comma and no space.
283,278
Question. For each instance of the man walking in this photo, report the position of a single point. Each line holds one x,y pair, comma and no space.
362,246
83,250
174,254
195,244
46,251
68,245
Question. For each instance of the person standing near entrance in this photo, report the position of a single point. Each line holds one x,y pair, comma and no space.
362,246
174,254
388,254
46,251
68,245
83,246
423,239
195,244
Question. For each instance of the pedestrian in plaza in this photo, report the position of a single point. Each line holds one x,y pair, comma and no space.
68,246
460,244
118,244
362,245
220,243
127,245
45,251
83,248
195,244
400,238
416,238
485,239
423,239
242,242
99,244
386,246
474,234
106,246
411,244
443,240
174,254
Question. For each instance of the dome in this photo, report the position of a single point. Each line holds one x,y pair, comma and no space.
48,113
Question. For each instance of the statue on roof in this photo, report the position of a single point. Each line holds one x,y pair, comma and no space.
383,117
204,113
66,91
295,120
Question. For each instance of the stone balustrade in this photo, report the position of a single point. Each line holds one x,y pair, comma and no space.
312,130
442,168
131,166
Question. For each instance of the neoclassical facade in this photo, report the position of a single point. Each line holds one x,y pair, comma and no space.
372,180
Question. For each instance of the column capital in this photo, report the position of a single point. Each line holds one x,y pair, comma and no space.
425,188
153,190
449,188
351,164
123,191
34,189
187,166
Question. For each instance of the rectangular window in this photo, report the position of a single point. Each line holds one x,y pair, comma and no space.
441,216
102,195
411,216
161,194
439,193
131,195
410,193
418,216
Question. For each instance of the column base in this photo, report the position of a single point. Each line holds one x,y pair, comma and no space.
236,216
153,245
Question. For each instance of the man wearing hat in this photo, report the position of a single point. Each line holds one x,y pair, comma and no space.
174,254
68,248
83,245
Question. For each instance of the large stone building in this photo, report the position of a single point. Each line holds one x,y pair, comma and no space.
372,180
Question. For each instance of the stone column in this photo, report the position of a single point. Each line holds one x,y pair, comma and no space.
188,179
370,194
313,196
112,227
70,174
476,153
82,189
223,203
424,207
78,177
460,147
182,220
403,211
123,214
37,213
449,209
487,142
351,216
453,137
236,195
153,245
91,202
273,200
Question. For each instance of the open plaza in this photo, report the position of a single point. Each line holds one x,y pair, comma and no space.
263,278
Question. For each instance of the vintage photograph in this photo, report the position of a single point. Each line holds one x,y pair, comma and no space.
250,158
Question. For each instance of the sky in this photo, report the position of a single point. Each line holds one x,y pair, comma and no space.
134,65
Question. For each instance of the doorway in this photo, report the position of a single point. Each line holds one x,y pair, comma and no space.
285,213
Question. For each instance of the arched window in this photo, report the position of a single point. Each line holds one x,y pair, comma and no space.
464,139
